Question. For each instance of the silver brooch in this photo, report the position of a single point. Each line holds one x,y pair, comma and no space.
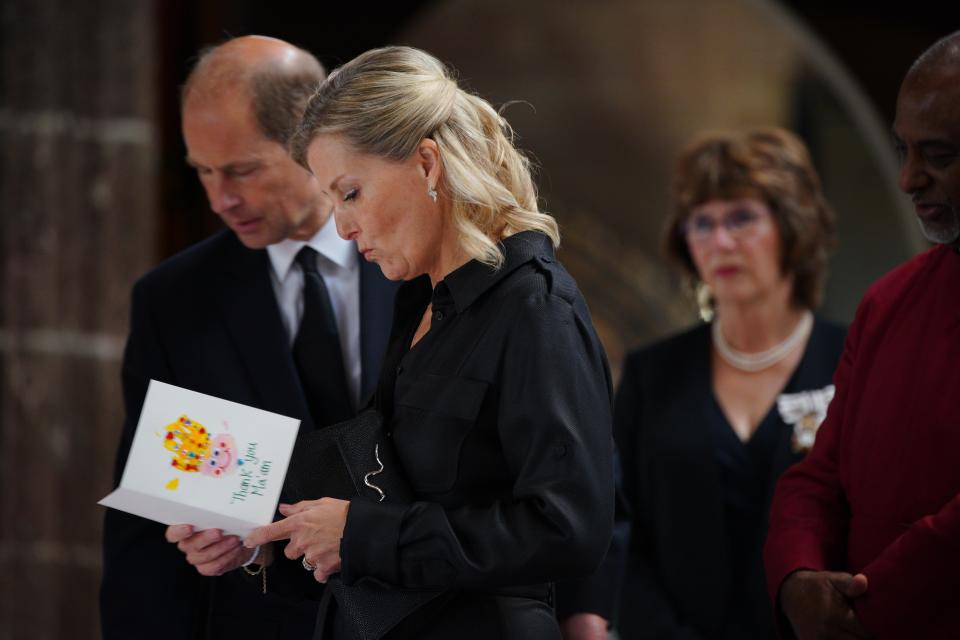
805,412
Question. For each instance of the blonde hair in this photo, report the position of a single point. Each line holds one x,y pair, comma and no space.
386,101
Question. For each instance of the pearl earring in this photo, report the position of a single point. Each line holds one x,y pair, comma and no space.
432,193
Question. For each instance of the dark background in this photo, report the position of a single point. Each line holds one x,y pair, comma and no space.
94,191
875,41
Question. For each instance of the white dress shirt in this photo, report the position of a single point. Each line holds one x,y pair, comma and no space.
339,266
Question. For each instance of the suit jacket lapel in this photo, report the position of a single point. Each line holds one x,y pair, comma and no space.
692,478
376,316
707,477
252,319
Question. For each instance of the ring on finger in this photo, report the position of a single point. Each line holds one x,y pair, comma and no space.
307,565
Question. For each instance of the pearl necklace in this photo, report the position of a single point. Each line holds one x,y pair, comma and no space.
753,362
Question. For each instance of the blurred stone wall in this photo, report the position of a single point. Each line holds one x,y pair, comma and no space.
77,216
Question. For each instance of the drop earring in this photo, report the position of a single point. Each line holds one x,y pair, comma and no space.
432,193
704,302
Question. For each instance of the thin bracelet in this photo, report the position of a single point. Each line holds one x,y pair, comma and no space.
256,553
261,570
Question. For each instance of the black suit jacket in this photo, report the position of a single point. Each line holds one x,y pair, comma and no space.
678,582
208,320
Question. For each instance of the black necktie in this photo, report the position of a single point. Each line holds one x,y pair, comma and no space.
316,350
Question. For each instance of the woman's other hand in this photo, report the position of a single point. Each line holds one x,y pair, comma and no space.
584,626
314,528
210,551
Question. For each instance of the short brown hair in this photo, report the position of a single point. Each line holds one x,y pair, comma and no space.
770,164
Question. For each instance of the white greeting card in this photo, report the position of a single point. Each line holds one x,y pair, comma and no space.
200,460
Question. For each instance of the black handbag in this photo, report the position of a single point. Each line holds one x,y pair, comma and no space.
355,460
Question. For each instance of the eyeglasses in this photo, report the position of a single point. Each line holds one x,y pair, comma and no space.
739,223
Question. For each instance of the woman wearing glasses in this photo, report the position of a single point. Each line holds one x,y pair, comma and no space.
707,420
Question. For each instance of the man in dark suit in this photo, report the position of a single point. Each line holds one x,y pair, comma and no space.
864,536
277,312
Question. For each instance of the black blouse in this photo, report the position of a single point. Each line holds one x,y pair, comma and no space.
501,417
744,468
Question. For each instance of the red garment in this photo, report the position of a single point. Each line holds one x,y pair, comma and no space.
878,494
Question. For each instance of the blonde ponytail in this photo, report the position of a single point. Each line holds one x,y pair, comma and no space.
386,101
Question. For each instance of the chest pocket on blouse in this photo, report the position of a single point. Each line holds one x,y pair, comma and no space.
435,415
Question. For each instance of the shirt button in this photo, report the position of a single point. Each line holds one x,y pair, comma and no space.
438,315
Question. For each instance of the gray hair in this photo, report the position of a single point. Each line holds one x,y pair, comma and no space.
278,91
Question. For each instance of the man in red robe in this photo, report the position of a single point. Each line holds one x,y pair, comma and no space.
864,538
